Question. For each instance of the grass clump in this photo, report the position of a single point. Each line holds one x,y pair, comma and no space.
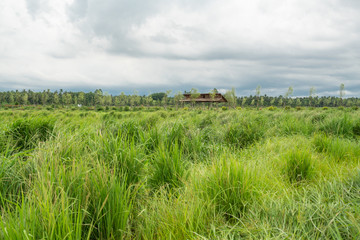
299,165
338,126
339,149
27,133
229,186
243,134
168,168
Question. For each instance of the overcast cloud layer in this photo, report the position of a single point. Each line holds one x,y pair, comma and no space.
151,46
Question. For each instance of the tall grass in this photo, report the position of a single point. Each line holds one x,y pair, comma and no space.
299,165
194,174
229,186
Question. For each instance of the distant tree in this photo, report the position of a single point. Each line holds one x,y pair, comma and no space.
81,98
311,95
252,102
165,98
24,98
342,93
213,95
280,102
99,97
243,102
178,97
194,94
107,99
44,97
122,99
258,89
158,96
230,95
67,98
272,101
11,98
289,93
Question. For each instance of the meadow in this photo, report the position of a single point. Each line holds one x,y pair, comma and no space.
180,174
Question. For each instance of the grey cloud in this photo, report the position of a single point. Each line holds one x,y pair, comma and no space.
35,7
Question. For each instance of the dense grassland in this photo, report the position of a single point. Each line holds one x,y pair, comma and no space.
186,174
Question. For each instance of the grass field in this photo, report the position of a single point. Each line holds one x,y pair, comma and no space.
186,174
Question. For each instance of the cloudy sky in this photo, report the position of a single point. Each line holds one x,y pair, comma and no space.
155,45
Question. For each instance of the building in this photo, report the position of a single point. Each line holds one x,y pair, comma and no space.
204,97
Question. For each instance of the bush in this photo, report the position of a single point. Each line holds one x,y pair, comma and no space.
224,108
271,108
325,108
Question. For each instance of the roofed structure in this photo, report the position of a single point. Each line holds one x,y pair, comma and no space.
204,97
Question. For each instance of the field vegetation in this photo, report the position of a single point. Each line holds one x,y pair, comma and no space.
219,173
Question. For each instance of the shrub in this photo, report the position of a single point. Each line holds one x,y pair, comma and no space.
325,108
224,108
238,108
271,108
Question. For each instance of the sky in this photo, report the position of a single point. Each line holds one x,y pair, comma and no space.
152,46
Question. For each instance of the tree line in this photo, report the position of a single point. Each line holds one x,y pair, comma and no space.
100,98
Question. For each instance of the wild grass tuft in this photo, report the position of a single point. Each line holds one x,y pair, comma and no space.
168,168
244,134
26,133
229,186
299,165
